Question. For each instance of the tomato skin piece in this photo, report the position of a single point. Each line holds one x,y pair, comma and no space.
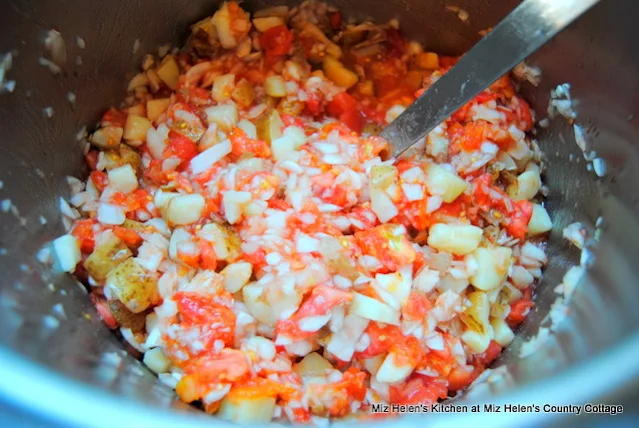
199,310
276,41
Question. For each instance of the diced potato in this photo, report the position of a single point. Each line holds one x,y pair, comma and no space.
252,294
373,364
154,80
139,79
225,116
397,284
169,72
269,126
67,252
136,127
236,276
243,93
106,257
502,332
133,286
185,209
279,11
427,60
528,184
126,318
391,372
155,108
247,410
292,108
225,240
443,182
230,28
476,314
383,176
157,361
457,239
138,109
275,87
372,309
282,147
223,87
477,343
539,222
108,137
492,267
338,74
312,365
123,179
266,23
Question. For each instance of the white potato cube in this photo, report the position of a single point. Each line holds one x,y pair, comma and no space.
185,209
157,361
275,86
136,127
540,221
123,179
247,410
444,183
67,252
492,267
528,184
223,87
236,276
391,372
477,343
502,332
225,116
372,309
453,238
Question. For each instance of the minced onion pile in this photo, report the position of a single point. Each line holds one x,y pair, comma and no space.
245,232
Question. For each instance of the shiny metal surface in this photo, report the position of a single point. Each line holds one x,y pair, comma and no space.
77,373
531,25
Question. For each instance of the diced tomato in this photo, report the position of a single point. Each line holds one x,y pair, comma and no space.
487,357
278,204
289,120
353,119
113,117
91,159
129,236
441,361
135,200
524,115
519,218
83,232
335,18
408,352
462,376
321,300
155,174
341,103
196,309
519,310
418,389
382,337
314,104
242,144
262,388
180,146
341,394
417,306
447,61
208,258
100,179
229,365
276,41
391,250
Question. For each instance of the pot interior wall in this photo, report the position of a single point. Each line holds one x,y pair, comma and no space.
596,55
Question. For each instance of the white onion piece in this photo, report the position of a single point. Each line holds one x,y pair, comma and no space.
111,214
210,156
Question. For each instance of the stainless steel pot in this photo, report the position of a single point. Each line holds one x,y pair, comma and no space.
57,360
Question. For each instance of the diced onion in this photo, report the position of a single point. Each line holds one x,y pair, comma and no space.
210,156
110,214
372,309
